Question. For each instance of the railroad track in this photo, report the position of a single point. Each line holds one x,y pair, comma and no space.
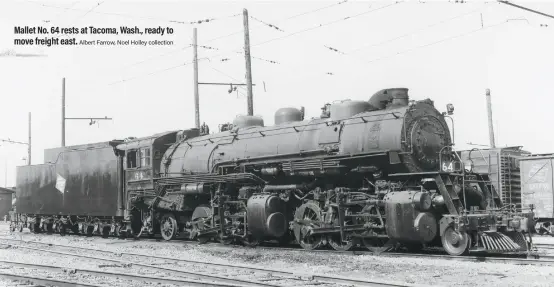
44,281
543,259
274,274
32,268
544,246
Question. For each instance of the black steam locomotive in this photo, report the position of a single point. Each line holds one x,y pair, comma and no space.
376,173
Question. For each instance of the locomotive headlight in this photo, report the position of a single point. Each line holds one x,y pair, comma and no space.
468,166
450,109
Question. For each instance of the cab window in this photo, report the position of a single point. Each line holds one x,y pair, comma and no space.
131,159
145,157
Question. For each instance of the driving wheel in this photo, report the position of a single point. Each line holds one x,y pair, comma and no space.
335,239
310,215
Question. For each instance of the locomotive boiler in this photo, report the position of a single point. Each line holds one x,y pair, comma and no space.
376,173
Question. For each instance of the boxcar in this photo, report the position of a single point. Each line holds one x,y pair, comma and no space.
537,188
501,164
5,201
75,180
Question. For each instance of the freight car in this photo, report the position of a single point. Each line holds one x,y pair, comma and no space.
377,173
502,166
6,199
537,189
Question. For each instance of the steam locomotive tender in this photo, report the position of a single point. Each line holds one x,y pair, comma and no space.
377,173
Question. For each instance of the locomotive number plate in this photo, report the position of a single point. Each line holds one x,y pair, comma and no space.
450,166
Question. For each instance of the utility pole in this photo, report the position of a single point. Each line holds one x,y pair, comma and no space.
250,103
250,107
63,112
29,142
92,120
196,97
489,113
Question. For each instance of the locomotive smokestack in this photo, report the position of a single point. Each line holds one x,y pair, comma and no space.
489,113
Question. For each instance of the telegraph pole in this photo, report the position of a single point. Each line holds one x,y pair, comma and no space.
489,113
250,103
92,120
249,85
29,142
63,112
196,97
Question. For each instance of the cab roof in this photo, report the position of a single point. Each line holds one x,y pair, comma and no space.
142,142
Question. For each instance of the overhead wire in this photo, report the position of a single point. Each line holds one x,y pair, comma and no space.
440,41
416,31
285,36
325,24
149,74
80,18
267,24
316,10
241,31
308,29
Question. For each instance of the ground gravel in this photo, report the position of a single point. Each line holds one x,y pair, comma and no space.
422,271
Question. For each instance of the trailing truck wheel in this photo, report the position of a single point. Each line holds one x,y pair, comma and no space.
455,243
168,227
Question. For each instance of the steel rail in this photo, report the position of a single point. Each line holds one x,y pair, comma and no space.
544,245
44,281
549,258
201,276
318,277
143,278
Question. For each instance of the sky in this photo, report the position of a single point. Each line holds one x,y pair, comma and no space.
446,51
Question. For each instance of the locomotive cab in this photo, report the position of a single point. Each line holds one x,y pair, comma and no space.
141,160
